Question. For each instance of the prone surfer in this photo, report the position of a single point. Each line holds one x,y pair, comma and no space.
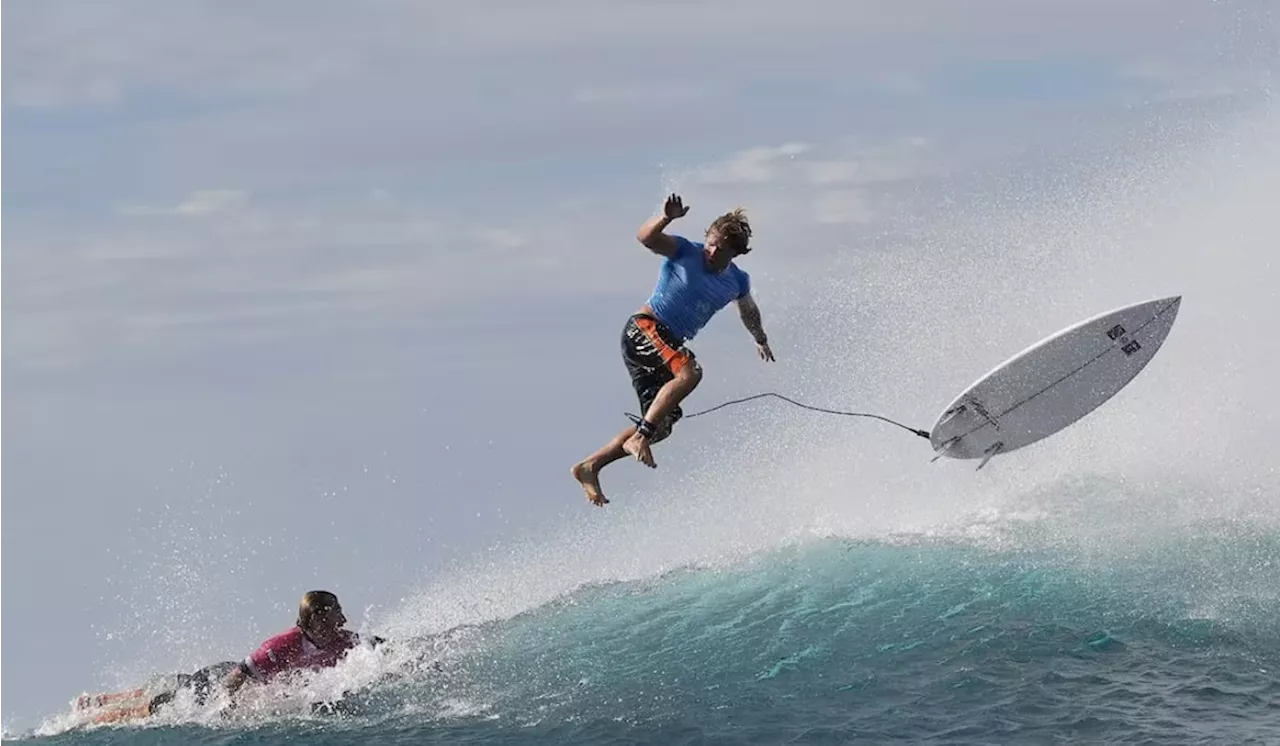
695,282
317,640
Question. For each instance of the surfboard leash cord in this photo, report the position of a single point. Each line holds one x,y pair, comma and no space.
922,433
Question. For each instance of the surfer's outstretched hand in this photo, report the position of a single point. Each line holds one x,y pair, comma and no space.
674,207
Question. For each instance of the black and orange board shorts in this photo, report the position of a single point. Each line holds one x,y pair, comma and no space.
653,355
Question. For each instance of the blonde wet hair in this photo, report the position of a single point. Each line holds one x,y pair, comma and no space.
314,603
734,230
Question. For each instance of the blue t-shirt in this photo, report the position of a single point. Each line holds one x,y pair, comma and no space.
688,294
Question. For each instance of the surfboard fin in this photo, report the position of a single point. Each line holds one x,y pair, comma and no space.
946,446
950,414
989,453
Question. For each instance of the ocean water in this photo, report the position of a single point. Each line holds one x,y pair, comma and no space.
1068,616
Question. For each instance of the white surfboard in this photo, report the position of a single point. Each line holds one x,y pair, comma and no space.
1053,383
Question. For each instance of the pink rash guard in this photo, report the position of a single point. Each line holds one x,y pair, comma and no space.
291,650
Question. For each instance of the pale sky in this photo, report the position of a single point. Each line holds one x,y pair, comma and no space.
328,295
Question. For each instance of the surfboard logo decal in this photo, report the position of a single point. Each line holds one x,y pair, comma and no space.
1127,346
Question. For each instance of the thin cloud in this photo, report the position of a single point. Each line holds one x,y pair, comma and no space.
172,282
832,164
212,201
896,160
82,52
1176,80
501,238
635,94
37,94
754,165
843,207
198,203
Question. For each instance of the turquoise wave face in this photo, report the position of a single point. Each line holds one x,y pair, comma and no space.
908,640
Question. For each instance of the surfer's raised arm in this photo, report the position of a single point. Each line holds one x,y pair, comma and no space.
651,235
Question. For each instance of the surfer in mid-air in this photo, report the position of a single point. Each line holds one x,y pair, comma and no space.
695,282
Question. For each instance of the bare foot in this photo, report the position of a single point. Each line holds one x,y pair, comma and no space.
590,482
638,445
